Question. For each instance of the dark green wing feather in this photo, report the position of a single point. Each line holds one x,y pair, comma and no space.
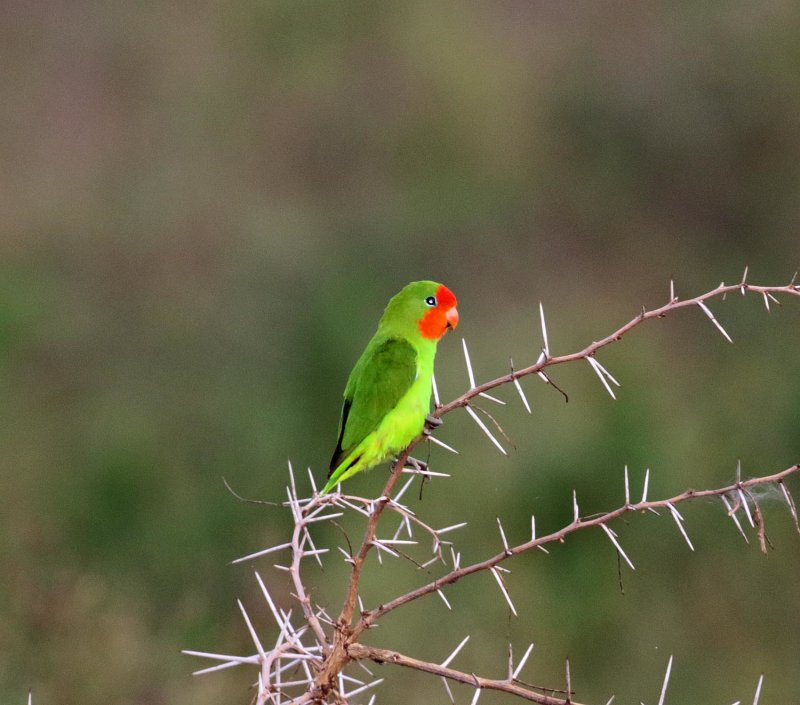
338,454
380,378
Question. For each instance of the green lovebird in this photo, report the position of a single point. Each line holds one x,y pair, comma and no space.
388,393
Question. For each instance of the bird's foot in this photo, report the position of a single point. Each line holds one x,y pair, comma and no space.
431,424
419,465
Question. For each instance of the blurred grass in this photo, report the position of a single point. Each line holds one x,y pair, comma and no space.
203,210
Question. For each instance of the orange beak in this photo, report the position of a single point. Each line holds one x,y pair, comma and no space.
452,317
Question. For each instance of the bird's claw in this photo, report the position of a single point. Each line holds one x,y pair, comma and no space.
431,424
419,465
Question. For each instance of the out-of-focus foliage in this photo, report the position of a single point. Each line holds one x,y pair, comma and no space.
203,209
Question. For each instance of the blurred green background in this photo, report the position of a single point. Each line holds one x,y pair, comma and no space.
204,208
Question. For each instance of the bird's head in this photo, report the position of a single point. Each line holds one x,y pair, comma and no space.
430,305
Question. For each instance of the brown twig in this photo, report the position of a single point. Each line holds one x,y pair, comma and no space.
508,685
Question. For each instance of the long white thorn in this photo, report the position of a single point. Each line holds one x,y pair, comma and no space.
613,539
281,622
354,507
758,689
627,488
403,489
452,527
400,527
471,374
533,534
522,662
425,473
732,515
350,679
672,296
710,315
444,445
746,507
677,517
449,692
594,365
499,580
456,558
252,631
569,681
575,510
293,505
522,395
436,399
476,696
316,553
407,522
482,426
790,502
544,330
666,681
646,483
218,667
444,599
469,364
221,657
291,479
602,369
454,652
257,554
382,547
502,535
363,688
323,517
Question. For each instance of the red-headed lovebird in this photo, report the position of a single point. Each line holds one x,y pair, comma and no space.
388,393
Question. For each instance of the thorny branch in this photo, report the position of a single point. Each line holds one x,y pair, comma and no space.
453,576
339,656
317,669
507,685
545,360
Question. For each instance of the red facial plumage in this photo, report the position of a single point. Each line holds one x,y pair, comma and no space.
434,324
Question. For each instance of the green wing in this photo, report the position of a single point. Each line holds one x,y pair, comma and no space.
381,377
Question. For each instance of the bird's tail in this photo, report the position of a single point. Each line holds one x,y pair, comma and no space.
347,468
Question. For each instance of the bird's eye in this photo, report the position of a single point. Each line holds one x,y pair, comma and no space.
431,301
